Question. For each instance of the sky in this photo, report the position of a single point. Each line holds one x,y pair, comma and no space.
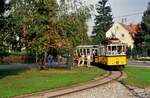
132,9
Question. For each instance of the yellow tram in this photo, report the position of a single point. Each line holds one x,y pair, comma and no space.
111,53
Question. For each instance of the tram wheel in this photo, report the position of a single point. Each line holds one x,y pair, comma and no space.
121,67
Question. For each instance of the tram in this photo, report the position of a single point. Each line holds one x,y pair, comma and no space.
86,49
111,53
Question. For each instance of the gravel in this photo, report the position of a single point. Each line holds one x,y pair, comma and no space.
110,90
139,92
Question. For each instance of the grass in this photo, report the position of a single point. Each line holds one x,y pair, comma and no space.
137,76
17,82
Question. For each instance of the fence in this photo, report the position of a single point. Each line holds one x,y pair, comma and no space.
17,59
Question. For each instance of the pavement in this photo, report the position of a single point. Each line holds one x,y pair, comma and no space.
17,66
26,66
138,63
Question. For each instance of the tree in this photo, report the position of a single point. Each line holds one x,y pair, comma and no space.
58,19
146,30
44,28
43,25
103,21
4,36
73,21
3,6
3,21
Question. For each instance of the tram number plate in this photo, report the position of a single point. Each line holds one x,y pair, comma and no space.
117,62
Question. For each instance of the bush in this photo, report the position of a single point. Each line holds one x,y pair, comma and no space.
22,53
3,52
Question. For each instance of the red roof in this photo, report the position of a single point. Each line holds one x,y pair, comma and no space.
133,29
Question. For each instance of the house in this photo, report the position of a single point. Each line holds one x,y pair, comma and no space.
125,33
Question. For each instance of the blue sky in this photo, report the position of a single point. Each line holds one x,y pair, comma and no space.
123,7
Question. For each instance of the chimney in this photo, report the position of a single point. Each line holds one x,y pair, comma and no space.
123,20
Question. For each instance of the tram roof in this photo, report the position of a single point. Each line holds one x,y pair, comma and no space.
88,46
116,44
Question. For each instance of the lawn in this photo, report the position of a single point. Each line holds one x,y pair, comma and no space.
137,76
16,82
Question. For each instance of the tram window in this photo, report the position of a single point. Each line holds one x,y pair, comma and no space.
84,51
80,51
93,51
114,50
88,51
119,49
102,51
124,49
109,48
108,51
96,52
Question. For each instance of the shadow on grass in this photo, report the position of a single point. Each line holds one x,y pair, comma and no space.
8,72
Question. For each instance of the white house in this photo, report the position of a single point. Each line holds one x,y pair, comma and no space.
125,33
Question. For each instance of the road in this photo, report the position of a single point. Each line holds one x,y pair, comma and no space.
28,66
55,64
17,66
138,63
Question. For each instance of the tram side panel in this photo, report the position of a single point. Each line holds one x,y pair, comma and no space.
101,60
111,60
116,60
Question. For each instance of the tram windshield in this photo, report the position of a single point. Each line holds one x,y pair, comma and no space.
113,49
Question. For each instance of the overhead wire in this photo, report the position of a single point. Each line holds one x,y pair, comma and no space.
128,15
124,16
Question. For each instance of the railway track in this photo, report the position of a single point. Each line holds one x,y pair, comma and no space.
111,76
98,82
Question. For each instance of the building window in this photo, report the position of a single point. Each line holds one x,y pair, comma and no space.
123,35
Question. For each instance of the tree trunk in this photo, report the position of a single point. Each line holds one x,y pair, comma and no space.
36,58
45,57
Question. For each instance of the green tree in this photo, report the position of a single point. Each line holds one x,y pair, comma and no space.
145,35
103,21
42,33
4,31
43,25
68,18
3,6
73,20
